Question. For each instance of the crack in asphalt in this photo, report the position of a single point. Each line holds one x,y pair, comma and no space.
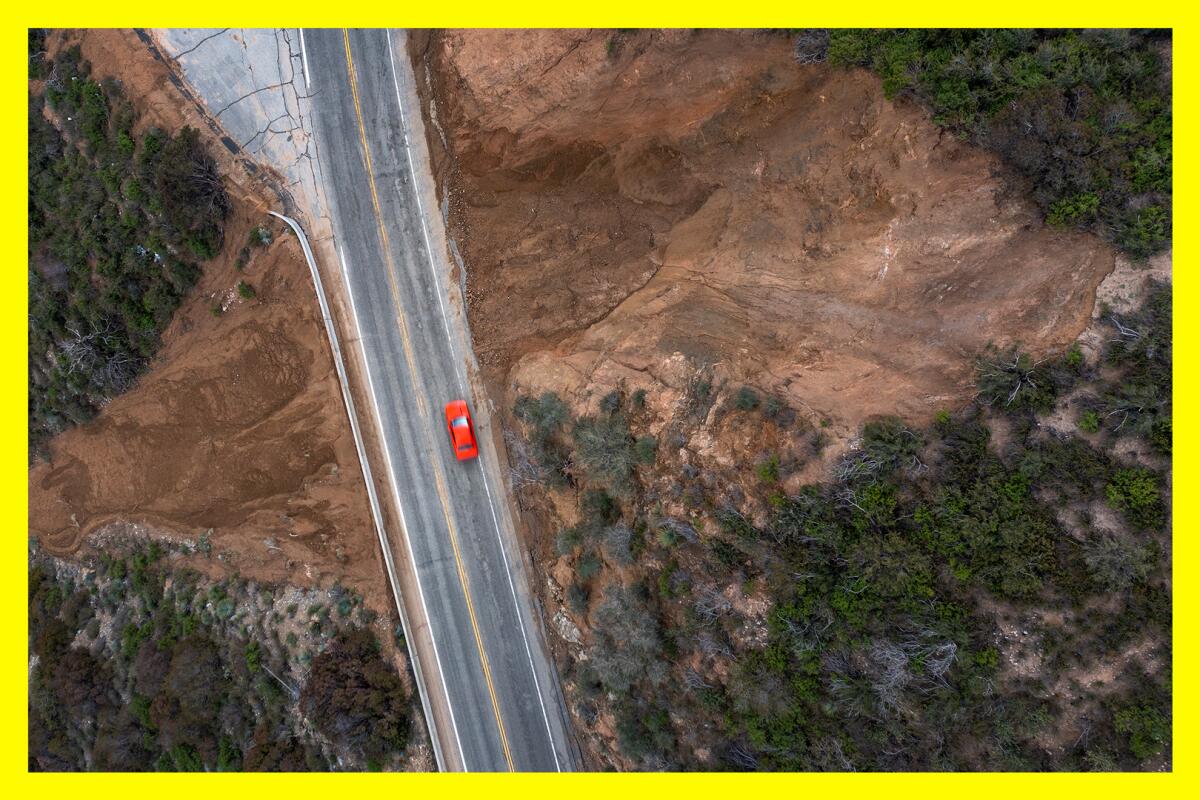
194,47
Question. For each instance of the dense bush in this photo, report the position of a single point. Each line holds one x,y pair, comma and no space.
179,687
1011,380
605,448
877,651
1135,492
356,697
628,643
116,222
1084,115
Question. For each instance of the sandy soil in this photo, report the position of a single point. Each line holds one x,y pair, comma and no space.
239,425
624,201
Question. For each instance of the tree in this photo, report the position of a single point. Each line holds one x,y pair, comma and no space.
356,697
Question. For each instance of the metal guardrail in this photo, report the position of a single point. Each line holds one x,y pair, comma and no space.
376,513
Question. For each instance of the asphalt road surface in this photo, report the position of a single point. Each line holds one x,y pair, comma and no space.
505,707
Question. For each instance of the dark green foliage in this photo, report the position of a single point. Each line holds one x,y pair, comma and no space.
643,732
545,415
246,291
598,508
1135,492
646,448
746,399
611,403
577,598
568,539
768,469
1148,729
588,566
199,691
1084,115
38,66
354,696
985,521
887,445
1012,381
112,222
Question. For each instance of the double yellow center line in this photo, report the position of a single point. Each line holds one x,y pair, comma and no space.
443,495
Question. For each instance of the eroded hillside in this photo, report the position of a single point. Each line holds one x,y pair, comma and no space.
626,201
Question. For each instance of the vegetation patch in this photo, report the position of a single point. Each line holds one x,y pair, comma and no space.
1085,116
118,226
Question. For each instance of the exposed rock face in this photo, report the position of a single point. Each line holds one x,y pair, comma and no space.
632,206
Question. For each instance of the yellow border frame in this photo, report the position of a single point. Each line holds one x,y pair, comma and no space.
623,13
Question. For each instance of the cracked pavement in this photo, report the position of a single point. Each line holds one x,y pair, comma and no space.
252,81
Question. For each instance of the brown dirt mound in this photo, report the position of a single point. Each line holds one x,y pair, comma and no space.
625,200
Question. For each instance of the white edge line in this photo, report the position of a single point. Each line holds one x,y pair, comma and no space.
458,368
399,505
365,466
304,59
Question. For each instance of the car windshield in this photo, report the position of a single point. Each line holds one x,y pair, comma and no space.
459,422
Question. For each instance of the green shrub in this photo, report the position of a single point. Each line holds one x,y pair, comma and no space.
646,448
746,399
611,402
1074,210
568,539
253,657
588,566
598,508
1013,381
768,470
577,598
888,444
1148,730
246,291
545,414
1134,491
604,447
1089,422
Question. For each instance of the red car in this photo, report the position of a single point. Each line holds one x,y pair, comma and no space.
462,432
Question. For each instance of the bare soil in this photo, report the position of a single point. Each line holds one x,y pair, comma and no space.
625,200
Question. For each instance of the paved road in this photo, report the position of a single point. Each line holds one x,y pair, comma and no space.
506,712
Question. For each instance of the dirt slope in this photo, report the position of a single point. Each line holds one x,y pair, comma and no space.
631,207
239,426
